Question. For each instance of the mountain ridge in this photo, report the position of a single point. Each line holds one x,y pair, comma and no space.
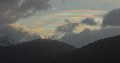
102,51
33,51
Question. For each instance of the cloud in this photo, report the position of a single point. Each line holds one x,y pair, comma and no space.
15,33
69,27
12,10
89,21
112,18
88,36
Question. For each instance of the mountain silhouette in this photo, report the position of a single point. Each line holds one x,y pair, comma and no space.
33,51
51,51
106,50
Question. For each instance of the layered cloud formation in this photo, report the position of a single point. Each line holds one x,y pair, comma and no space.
88,36
13,10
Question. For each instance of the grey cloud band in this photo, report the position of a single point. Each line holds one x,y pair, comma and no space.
12,10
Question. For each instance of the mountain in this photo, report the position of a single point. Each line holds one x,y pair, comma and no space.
89,36
102,51
33,51
50,51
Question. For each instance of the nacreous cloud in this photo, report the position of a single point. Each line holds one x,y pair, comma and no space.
12,10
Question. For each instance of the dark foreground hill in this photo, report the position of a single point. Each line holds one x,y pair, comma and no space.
33,51
46,51
102,51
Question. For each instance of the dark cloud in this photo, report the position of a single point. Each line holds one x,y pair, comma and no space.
89,21
88,36
69,27
61,30
12,10
112,18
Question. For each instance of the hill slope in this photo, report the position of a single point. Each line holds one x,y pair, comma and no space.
33,51
102,51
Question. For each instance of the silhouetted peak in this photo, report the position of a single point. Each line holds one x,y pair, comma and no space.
102,51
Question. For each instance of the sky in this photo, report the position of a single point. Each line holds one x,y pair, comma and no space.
105,5
40,14
62,9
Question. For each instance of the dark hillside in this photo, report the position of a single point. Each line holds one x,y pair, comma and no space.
102,51
33,51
